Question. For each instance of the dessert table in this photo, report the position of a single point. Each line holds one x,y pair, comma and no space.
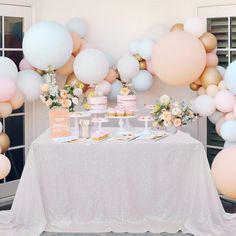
118,186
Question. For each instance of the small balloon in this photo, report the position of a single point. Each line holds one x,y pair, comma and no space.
217,115
115,90
222,85
77,25
4,142
209,41
138,57
195,25
227,130
142,81
5,166
211,60
142,65
5,109
25,65
201,91
230,77
212,90
204,105
105,87
145,48
133,47
17,101
224,101
177,27
7,89
194,86
210,76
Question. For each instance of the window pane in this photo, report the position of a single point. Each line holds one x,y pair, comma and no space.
233,32
223,58
17,158
16,56
14,126
232,56
13,32
219,27
211,153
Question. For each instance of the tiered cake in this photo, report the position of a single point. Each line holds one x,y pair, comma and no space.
98,103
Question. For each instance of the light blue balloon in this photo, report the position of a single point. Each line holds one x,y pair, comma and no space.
145,48
142,81
133,47
115,90
229,144
230,77
228,131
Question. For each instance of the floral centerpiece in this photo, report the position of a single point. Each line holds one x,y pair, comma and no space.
168,113
54,97
127,89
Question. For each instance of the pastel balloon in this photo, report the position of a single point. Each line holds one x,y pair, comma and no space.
5,166
5,109
216,116
198,82
177,27
4,142
0,130
8,68
222,85
25,65
134,47
145,48
105,87
149,66
111,76
17,101
142,65
77,42
155,32
229,144
211,60
128,67
67,68
201,91
224,101
221,69
29,83
204,105
47,43
209,41
227,131
195,26
210,76
223,172
229,116
91,66
77,25
7,89
115,90
142,81
230,77
178,58
194,86
212,90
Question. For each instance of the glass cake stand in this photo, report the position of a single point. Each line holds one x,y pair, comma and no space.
146,120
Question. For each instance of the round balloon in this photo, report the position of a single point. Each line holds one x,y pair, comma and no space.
216,116
47,43
223,172
204,105
209,41
142,81
128,67
7,89
224,101
201,91
177,27
210,76
227,131
105,87
221,69
5,109
178,58
77,25
229,144
229,77
133,47
5,166
17,101
8,68
115,90
229,116
212,90
111,76
211,60
29,83
91,66
145,48
4,142
222,85
195,25
25,65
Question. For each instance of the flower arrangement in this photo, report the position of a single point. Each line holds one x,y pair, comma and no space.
168,113
127,89
54,97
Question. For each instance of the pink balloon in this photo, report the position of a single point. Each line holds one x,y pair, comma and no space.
178,58
211,60
7,89
201,91
25,65
105,87
149,66
224,101
229,116
219,123
212,90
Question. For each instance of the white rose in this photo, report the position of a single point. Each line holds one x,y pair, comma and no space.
78,92
164,99
176,111
75,101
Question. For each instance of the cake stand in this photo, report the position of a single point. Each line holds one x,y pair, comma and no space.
99,121
76,116
146,120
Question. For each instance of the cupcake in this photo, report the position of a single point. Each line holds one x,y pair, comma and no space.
111,111
120,113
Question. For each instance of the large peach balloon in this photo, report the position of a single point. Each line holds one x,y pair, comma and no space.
77,42
178,58
17,101
223,172
209,41
210,76
5,166
177,27
4,142
111,76
212,60
5,109
67,68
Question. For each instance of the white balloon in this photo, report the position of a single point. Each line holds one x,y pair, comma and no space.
195,25
128,67
133,47
145,48
47,43
0,127
229,144
8,68
105,87
77,25
227,131
204,105
221,69
142,81
156,32
229,77
29,83
215,116
5,166
91,66
115,90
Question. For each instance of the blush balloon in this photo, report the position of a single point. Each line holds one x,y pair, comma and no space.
224,101
211,60
7,89
25,65
17,101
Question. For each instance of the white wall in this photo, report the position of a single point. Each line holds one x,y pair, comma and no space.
112,24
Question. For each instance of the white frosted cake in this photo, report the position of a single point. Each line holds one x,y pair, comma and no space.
127,101
98,103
